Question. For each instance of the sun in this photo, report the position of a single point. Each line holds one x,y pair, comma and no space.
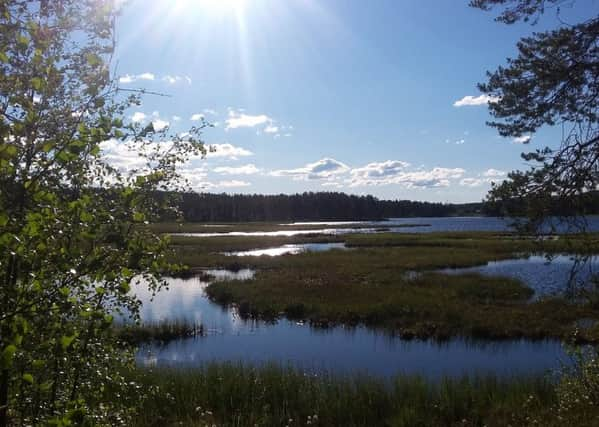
219,6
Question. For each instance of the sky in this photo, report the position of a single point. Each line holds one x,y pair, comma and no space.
373,97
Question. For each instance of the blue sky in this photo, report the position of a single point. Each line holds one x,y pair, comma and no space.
335,95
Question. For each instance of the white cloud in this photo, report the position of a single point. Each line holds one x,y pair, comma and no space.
160,124
492,173
249,169
333,184
475,100
322,169
132,78
196,177
176,119
138,117
487,177
227,150
210,111
524,139
121,155
456,142
232,184
239,120
397,172
128,78
436,177
196,117
271,129
380,170
338,175
171,80
473,182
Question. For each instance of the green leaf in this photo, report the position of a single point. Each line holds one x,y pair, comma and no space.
38,363
28,378
3,57
86,216
8,150
22,41
7,356
93,59
37,83
125,287
67,340
139,217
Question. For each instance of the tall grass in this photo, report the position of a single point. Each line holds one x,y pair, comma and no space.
235,395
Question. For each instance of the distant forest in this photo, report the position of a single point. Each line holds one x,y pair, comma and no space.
310,206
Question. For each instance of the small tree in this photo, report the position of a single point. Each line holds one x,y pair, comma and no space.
72,235
554,80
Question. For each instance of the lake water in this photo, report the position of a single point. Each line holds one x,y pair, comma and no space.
406,225
284,233
292,249
337,349
544,277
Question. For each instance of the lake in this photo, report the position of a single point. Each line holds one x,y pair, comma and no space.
546,276
354,349
406,225
337,349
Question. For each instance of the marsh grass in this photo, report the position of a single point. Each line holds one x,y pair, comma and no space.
371,286
271,395
483,246
162,331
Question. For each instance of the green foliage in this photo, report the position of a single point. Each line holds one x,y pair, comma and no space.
70,244
578,388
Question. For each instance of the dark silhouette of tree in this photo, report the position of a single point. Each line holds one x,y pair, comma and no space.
310,207
554,80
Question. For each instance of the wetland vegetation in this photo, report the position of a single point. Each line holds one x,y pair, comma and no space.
388,281
375,285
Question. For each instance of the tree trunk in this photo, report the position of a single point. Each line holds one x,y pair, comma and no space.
4,398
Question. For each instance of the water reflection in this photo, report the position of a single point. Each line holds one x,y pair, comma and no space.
354,350
338,349
185,300
414,225
291,249
284,233
554,276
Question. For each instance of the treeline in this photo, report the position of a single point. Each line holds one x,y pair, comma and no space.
206,207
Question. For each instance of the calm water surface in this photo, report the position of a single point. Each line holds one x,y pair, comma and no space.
398,225
291,249
338,349
546,276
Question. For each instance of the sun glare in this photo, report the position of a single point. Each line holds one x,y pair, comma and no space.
221,6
